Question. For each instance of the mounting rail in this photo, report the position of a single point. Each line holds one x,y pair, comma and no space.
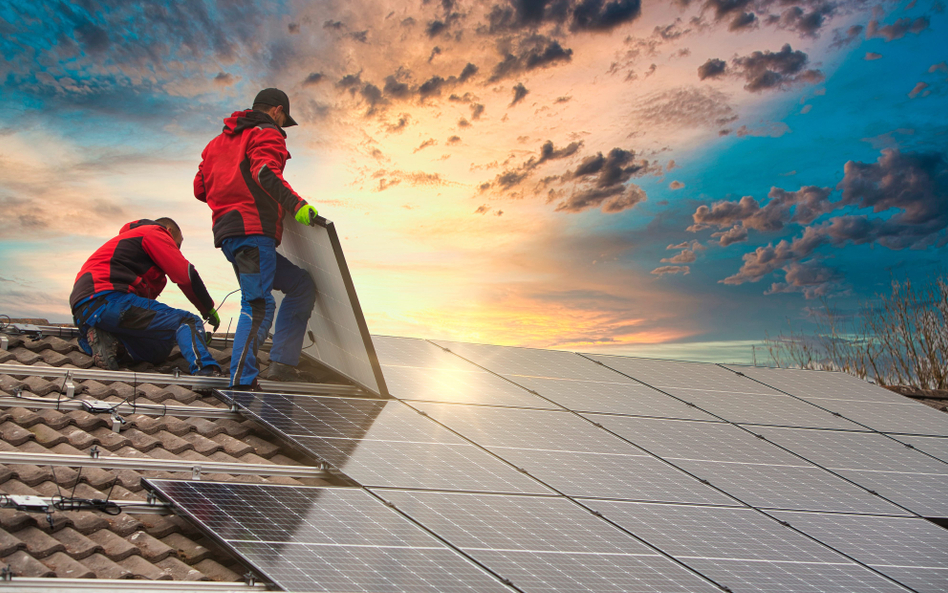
94,406
58,585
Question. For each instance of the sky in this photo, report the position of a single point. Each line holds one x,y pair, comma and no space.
675,179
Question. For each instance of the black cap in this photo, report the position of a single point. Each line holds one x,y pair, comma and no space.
274,97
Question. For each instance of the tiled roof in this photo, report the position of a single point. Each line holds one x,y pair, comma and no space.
91,544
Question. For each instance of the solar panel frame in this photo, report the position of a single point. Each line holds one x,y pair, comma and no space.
906,417
814,383
530,362
341,339
690,375
923,493
455,386
935,446
352,539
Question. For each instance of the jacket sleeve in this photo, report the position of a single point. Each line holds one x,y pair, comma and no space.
200,191
162,250
268,155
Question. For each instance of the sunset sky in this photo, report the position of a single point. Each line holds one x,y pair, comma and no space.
676,179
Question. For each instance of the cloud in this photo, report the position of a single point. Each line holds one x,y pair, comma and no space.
664,270
841,39
939,67
400,124
686,256
919,90
519,92
313,78
612,199
391,178
580,15
426,144
600,15
476,110
453,140
765,70
745,20
898,29
712,68
809,24
802,206
735,234
685,107
548,152
871,55
225,79
676,185
811,278
535,51
772,130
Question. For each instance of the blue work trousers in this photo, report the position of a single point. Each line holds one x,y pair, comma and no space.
148,329
260,270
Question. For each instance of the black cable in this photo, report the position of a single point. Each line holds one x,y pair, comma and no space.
4,324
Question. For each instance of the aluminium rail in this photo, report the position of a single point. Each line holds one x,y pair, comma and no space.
191,381
103,407
29,330
197,468
59,585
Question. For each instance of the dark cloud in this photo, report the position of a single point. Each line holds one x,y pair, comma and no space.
372,95
534,52
453,140
435,28
615,168
548,152
712,68
463,123
811,278
350,82
426,144
802,206
765,70
735,234
809,24
841,39
225,79
293,28
724,8
519,92
585,15
431,87
395,89
467,73
745,20
313,78
94,39
612,199
476,110
400,124
898,29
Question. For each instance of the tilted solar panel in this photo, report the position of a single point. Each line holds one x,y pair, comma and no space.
341,339
324,539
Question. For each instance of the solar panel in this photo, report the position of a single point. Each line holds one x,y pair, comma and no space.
853,450
415,352
906,417
685,439
546,544
794,487
341,339
509,360
910,550
923,493
777,410
625,397
468,387
625,477
324,539
798,577
525,429
691,375
807,383
381,443
937,446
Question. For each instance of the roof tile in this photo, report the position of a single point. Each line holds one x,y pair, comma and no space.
140,440
6,355
96,389
41,386
124,524
106,569
9,543
77,545
25,418
108,439
152,549
182,394
67,568
46,436
158,525
24,356
114,547
186,549
14,434
54,358
231,445
78,438
176,426
173,443
80,359
87,421
205,427
54,419
86,522
13,520
180,571
202,445
143,569
24,565
261,447
38,543
216,571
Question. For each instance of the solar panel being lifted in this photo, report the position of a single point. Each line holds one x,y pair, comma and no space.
341,339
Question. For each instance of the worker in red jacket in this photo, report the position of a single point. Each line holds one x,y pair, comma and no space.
113,300
241,178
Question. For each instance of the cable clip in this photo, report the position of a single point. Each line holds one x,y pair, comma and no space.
6,573
251,579
177,372
94,452
196,472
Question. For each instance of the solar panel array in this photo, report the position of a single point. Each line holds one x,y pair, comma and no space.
552,471
340,336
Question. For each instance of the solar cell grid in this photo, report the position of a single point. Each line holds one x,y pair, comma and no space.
691,375
338,417
778,410
785,577
923,493
525,429
420,465
415,352
524,523
627,477
937,446
804,488
853,450
907,417
474,386
680,439
618,398
807,383
713,532
509,360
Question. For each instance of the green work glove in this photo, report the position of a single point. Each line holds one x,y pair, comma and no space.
306,215
213,318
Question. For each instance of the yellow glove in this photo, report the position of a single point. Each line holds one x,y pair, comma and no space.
306,215
213,318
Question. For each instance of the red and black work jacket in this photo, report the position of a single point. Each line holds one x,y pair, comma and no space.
241,178
137,261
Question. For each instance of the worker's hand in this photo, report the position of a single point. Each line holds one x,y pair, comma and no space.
306,215
213,318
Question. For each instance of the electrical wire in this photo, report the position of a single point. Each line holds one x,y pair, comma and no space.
4,324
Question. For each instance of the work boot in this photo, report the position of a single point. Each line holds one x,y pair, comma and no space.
105,348
278,371
209,371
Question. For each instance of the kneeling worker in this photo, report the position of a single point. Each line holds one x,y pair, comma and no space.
113,300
